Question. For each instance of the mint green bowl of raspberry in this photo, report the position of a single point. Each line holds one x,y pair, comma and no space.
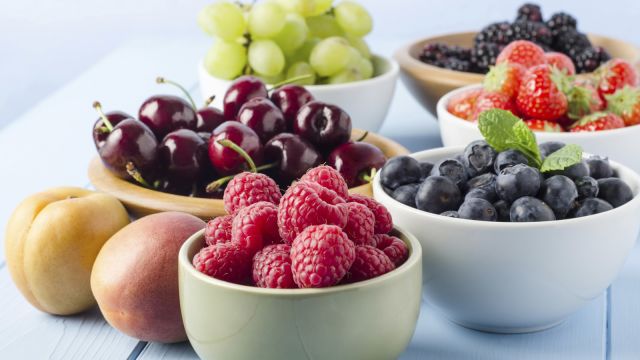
371,319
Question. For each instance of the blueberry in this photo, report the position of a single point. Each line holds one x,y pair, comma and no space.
549,147
400,170
527,209
451,168
406,194
599,167
479,193
477,209
502,209
485,181
591,206
572,172
479,157
559,192
587,187
615,191
425,169
517,181
508,158
451,213
438,194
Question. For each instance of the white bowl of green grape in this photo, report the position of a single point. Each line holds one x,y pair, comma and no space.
317,42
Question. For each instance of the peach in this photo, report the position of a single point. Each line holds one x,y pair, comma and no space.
135,277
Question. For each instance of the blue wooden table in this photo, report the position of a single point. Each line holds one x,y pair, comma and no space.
51,145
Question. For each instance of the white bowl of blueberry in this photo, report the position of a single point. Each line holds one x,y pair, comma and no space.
516,236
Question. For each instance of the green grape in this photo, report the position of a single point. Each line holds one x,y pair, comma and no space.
302,7
354,58
304,52
330,56
360,45
345,76
365,67
321,7
353,18
266,19
270,79
299,69
222,19
266,58
293,34
323,26
225,60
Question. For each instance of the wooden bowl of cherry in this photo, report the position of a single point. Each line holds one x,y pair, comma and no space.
141,201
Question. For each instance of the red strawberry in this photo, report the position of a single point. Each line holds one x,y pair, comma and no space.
539,96
597,122
626,104
504,78
583,99
522,52
543,125
463,105
615,74
560,61
493,100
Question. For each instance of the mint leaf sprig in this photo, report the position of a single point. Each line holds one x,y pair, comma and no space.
503,131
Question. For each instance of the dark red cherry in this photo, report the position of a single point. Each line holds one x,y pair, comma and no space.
293,155
183,155
174,187
209,118
240,91
289,99
166,113
355,160
130,141
101,130
225,159
324,125
263,117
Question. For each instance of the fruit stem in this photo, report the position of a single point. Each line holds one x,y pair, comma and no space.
209,100
216,184
136,175
233,146
368,177
107,123
361,138
161,80
289,81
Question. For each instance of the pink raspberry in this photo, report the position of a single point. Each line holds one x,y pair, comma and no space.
360,224
321,256
305,204
328,177
384,223
272,267
369,263
218,230
249,188
395,248
224,261
256,226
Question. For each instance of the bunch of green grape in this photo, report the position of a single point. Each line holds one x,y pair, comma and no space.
278,40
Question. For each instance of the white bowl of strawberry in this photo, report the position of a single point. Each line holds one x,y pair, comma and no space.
312,273
597,111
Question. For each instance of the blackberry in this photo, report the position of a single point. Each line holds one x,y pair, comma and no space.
561,21
434,54
529,12
459,52
591,58
494,33
570,42
457,64
537,32
484,55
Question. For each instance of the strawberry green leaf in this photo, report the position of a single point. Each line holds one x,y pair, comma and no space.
567,156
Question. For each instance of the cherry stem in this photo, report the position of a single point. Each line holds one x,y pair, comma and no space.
107,123
289,81
215,185
368,176
233,146
136,175
209,100
361,138
161,80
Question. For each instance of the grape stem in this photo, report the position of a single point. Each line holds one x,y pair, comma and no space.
161,80
107,124
215,185
289,81
361,138
136,175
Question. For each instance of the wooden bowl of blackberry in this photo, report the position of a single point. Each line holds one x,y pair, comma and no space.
433,66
